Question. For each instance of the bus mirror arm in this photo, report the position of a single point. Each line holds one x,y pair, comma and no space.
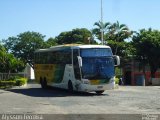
79,61
117,59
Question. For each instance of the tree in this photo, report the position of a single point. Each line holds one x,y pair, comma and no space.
147,44
75,36
116,37
51,42
118,32
8,63
2,58
118,48
24,45
101,26
13,64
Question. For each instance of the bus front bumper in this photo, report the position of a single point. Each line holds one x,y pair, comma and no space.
93,88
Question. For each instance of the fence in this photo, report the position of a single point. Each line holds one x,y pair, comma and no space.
5,76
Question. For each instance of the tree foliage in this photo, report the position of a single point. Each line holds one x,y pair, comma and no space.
118,32
50,42
114,34
75,36
121,47
116,37
8,63
147,44
99,27
2,57
24,45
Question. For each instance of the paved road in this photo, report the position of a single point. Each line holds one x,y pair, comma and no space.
125,100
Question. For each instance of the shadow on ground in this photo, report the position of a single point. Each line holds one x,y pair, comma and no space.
50,92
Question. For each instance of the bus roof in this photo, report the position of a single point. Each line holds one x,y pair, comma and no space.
91,46
71,46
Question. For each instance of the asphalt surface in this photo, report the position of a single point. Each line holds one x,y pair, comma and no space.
123,101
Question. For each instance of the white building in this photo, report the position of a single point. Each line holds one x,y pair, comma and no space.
29,71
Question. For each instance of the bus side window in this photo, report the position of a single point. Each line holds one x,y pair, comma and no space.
49,57
64,57
36,58
67,57
53,58
44,59
40,58
75,64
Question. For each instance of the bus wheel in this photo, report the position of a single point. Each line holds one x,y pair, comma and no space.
99,92
44,84
70,87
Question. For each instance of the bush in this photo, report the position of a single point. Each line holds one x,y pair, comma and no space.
6,83
13,81
21,81
116,80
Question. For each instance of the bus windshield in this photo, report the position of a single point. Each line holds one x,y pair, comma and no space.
96,52
97,64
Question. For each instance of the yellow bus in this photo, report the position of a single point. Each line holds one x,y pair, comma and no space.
87,68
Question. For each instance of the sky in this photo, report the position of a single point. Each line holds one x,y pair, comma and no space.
51,17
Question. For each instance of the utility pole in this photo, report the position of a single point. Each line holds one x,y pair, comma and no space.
102,40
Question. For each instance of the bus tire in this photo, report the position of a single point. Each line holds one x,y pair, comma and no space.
70,87
99,92
44,84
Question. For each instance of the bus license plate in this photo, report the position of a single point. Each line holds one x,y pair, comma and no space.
99,87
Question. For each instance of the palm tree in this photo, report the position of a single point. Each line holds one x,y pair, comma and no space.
101,26
118,33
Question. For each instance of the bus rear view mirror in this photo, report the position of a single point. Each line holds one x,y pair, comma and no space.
79,61
116,60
